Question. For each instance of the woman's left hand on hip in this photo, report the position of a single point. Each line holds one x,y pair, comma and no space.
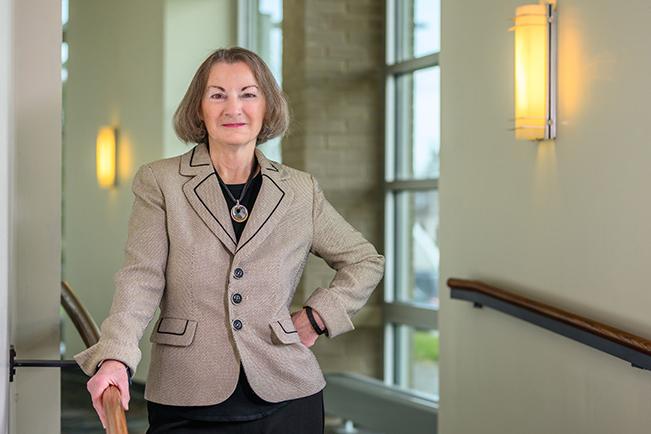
305,330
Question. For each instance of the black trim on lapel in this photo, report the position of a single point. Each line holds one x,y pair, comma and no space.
210,211
205,196
192,158
268,217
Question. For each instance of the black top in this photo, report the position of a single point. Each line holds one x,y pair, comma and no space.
243,404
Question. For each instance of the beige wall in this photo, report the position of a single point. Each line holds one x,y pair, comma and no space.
115,78
130,63
564,222
34,198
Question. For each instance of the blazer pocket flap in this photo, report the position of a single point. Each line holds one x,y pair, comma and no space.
284,330
174,331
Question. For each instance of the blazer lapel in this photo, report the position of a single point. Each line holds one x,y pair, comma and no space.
271,205
205,195
206,198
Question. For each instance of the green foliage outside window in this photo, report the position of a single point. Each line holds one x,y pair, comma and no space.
426,346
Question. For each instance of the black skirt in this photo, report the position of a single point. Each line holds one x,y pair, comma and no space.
300,416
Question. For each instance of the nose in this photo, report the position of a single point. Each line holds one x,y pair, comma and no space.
233,107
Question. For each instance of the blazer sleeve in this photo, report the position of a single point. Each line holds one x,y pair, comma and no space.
139,284
359,267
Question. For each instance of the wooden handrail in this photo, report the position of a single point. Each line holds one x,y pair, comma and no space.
116,422
79,315
617,342
90,333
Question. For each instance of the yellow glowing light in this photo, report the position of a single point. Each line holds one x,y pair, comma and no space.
106,156
533,91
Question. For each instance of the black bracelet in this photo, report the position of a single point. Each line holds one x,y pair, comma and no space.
315,325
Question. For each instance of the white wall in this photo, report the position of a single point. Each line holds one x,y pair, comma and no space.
6,40
34,244
565,222
130,63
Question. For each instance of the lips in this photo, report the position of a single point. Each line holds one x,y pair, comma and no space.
237,125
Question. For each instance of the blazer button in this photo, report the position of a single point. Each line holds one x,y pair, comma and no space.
237,297
237,324
238,273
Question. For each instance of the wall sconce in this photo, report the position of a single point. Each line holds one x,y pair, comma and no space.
106,154
535,71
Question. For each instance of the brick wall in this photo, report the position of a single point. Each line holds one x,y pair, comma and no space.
333,58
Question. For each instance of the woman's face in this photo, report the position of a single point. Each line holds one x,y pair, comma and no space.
232,106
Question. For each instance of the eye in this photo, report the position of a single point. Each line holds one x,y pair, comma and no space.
217,96
250,95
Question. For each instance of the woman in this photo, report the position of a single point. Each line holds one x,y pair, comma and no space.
228,356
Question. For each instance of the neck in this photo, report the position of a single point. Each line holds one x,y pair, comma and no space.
233,163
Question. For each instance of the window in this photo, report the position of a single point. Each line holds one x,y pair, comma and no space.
260,30
411,195
64,43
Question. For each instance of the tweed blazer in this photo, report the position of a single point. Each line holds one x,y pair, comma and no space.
223,301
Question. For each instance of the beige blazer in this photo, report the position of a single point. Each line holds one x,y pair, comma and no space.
224,301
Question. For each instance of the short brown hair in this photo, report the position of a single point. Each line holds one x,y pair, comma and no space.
187,123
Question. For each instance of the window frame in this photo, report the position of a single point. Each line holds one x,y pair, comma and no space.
396,312
248,37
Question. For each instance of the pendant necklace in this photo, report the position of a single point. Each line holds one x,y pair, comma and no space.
239,213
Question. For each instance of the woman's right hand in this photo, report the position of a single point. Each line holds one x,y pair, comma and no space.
112,372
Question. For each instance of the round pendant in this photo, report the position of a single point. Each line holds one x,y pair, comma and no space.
239,213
